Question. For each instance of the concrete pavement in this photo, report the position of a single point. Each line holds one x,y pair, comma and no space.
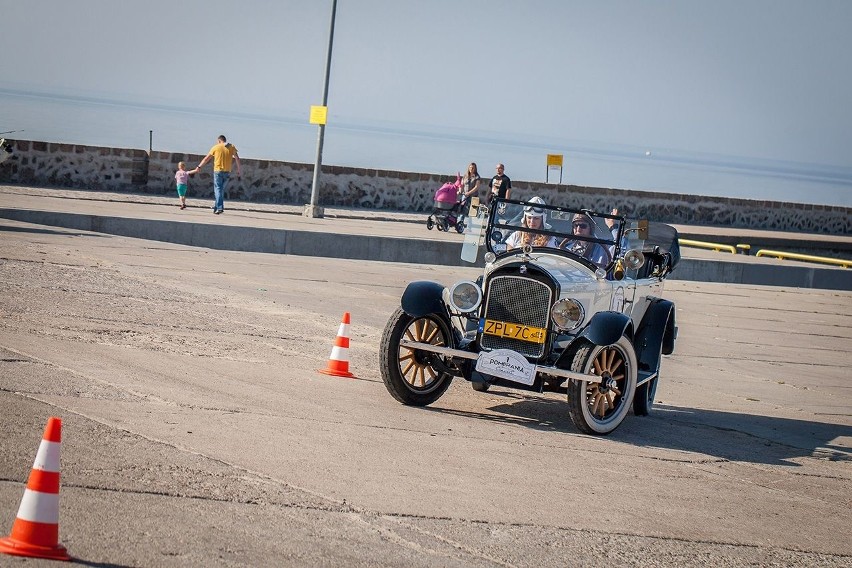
388,236
197,432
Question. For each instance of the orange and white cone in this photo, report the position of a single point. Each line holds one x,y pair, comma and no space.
338,361
36,529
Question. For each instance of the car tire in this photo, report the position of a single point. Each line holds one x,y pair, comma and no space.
480,386
644,399
403,368
645,393
599,408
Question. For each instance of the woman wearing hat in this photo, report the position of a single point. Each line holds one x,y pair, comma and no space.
534,216
583,226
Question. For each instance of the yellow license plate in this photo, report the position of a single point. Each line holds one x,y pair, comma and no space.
514,331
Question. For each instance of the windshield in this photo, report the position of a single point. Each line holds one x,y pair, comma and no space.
589,237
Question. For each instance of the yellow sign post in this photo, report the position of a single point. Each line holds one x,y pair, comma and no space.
554,161
319,114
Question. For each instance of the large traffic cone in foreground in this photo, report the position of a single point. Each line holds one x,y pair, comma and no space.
338,361
36,529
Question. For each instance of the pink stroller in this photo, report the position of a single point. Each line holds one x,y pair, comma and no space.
448,204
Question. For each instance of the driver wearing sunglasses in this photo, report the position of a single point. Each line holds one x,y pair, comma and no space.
583,226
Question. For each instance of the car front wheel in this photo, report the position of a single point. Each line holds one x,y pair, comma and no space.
599,408
412,376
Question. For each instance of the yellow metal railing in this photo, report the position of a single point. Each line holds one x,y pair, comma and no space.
805,257
712,246
745,249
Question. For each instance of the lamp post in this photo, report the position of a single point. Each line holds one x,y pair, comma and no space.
313,209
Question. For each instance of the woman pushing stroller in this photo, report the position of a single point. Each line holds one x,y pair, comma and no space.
447,203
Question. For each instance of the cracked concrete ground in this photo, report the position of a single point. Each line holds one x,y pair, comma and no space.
196,430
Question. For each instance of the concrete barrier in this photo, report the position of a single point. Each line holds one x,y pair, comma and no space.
789,275
731,269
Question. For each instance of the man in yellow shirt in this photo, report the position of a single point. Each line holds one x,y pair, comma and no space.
223,155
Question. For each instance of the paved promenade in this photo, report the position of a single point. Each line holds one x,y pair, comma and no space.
198,432
379,235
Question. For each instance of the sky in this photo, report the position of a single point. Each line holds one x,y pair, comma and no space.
746,98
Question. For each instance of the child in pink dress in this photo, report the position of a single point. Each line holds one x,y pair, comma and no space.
181,177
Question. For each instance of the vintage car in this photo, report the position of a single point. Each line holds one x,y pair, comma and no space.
569,302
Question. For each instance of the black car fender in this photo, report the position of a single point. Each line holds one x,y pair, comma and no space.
422,298
656,334
606,328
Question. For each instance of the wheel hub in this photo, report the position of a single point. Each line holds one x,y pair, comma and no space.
607,382
422,358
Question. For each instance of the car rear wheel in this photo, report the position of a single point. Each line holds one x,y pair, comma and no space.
413,376
599,408
645,393
644,399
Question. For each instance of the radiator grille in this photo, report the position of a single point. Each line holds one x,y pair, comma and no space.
519,300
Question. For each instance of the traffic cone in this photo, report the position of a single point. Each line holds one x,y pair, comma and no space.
36,529
338,361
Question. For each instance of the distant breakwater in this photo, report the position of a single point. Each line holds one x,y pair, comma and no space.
48,164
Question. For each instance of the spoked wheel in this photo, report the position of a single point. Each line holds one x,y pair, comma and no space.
411,376
599,408
430,223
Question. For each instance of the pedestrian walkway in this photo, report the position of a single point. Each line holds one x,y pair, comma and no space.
377,235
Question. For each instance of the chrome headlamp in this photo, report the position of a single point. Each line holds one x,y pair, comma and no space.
465,296
567,314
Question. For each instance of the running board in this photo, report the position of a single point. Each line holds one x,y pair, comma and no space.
447,352
645,379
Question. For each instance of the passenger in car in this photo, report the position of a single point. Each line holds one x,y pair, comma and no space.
534,218
583,226
613,229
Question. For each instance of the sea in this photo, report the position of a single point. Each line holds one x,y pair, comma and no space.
415,148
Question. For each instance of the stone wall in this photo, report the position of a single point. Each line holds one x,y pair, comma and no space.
69,165
114,169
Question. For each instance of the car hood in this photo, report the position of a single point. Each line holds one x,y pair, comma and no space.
568,272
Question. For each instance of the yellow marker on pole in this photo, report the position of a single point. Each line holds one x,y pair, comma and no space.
553,161
319,114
